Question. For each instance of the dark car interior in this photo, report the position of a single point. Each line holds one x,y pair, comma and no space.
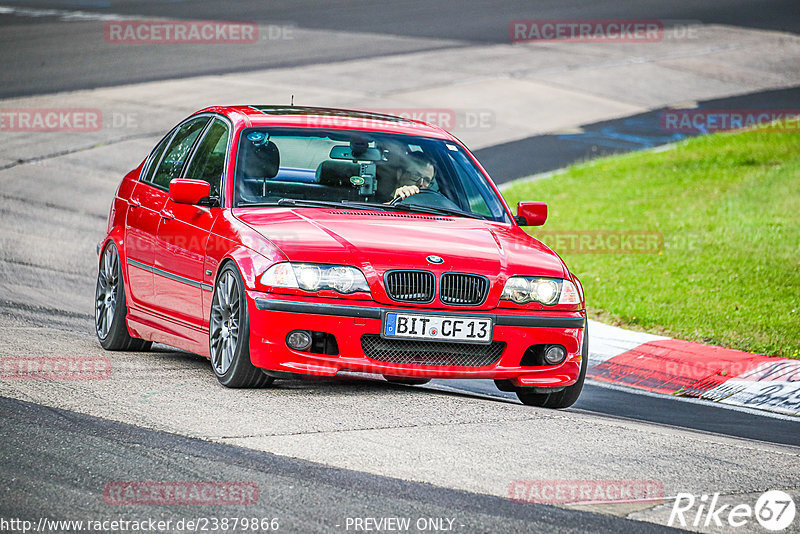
285,164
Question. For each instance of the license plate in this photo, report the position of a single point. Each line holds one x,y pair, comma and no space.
437,327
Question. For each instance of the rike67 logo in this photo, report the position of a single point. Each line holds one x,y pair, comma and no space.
774,510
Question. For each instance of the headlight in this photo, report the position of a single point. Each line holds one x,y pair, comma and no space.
315,277
549,291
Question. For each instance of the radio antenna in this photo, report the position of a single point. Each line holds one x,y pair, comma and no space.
292,101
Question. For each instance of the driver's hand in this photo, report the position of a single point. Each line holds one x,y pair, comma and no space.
406,191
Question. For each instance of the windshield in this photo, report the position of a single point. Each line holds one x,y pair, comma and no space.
282,166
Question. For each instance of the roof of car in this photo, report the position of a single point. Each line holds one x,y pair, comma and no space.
318,117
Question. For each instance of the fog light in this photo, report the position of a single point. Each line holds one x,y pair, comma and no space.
555,354
299,339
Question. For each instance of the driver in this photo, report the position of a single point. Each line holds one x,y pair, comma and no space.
418,173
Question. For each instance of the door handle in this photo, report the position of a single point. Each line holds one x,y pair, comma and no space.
134,203
167,215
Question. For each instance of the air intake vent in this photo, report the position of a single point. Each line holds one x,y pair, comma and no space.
390,214
463,289
410,286
438,353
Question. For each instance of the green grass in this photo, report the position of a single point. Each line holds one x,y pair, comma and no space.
728,207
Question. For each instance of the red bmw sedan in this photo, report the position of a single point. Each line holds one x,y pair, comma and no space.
289,241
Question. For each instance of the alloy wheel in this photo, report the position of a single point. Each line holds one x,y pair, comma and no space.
107,292
225,318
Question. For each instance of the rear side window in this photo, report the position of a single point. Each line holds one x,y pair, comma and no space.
156,157
175,156
208,162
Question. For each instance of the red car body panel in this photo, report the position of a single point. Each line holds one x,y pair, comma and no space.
180,247
172,253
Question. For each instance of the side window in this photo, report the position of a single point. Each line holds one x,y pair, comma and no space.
208,161
175,155
481,200
477,204
156,157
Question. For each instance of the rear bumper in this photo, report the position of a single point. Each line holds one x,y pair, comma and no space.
272,317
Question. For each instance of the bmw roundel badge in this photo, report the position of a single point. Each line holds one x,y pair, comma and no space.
436,260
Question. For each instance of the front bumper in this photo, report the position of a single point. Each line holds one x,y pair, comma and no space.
273,316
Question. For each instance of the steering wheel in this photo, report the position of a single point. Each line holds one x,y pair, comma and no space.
427,197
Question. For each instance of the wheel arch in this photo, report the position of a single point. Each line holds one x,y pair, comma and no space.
241,371
249,263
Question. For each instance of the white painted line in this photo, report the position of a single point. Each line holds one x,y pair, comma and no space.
62,14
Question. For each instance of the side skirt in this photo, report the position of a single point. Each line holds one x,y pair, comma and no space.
162,329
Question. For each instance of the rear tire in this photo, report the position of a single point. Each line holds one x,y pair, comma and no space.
567,396
406,381
229,334
110,307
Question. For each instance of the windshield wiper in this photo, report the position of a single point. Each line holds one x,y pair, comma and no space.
420,209
309,203
301,203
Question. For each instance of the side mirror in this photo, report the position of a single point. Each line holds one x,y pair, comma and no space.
184,191
531,213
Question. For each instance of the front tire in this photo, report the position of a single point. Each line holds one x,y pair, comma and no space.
229,334
110,307
567,396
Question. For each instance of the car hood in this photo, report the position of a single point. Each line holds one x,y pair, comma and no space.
378,241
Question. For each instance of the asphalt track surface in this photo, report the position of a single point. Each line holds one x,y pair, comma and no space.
84,452
600,399
40,54
58,460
